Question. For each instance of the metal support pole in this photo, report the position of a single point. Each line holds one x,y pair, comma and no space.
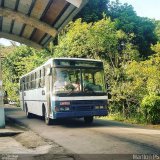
2,115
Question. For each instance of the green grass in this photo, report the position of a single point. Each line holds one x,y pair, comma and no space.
136,121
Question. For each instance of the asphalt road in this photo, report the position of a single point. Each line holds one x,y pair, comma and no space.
102,137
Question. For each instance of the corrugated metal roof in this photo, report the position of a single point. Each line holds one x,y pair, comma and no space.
36,22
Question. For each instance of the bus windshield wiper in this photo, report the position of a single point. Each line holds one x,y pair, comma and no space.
72,91
89,91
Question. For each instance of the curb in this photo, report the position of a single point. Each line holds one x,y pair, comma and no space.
9,133
13,120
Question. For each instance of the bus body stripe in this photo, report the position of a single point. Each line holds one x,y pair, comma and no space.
79,98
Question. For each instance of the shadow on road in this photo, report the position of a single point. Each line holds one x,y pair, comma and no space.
20,116
151,148
79,123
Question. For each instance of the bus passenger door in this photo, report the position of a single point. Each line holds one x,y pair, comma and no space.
48,90
22,98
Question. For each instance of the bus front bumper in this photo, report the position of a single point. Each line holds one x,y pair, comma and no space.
79,114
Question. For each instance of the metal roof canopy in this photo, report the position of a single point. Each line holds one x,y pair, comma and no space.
36,22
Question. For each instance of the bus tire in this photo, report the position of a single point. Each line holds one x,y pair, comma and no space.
88,119
48,121
43,111
28,114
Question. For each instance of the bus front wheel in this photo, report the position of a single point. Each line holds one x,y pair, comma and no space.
28,114
88,120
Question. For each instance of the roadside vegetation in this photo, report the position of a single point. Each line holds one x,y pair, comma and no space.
128,45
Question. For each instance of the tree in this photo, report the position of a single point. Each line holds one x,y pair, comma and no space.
157,30
95,40
17,63
151,109
127,20
93,11
101,40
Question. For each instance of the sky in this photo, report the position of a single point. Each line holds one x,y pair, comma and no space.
5,42
144,8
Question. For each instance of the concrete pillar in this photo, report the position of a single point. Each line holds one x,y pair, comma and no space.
2,115
2,118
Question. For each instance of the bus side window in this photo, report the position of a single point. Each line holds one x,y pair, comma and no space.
43,77
32,81
26,86
35,80
44,72
24,83
29,81
39,79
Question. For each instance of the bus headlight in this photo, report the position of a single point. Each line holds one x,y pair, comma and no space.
99,107
64,109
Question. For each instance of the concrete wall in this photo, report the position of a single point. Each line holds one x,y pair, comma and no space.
2,118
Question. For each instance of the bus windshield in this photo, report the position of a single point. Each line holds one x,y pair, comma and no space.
70,80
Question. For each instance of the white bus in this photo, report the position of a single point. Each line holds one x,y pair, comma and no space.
65,88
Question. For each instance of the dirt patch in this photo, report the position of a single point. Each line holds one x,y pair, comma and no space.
42,148
30,140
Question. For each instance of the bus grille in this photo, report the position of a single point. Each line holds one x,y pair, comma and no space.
83,108
86,105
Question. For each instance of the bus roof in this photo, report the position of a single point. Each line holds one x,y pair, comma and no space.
50,61
80,59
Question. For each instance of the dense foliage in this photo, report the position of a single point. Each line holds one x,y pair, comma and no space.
93,10
129,78
126,19
113,33
151,108
18,62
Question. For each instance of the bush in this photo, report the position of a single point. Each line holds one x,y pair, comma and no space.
151,109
